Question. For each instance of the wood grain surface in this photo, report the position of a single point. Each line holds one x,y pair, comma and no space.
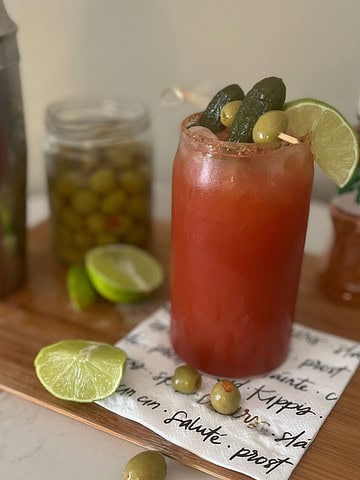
40,314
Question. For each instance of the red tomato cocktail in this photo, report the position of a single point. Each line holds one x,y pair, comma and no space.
239,218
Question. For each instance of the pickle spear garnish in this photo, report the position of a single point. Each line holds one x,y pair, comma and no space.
211,116
268,94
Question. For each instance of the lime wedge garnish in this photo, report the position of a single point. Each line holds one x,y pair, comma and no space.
80,290
80,370
123,273
333,141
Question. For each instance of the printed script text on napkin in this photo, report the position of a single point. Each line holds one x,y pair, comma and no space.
280,414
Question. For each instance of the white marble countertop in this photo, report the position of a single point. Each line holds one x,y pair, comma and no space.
36,443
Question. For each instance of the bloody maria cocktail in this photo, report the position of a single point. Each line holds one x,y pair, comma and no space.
239,217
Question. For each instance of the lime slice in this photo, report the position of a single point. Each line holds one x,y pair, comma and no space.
80,370
333,141
123,273
80,290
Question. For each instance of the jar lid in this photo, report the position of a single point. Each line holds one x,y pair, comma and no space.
96,121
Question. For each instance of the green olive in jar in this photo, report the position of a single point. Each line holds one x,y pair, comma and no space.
113,202
95,222
67,183
105,238
138,207
84,201
82,240
119,158
132,182
102,180
70,219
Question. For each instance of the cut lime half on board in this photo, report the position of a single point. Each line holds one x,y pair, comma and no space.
333,141
80,289
80,370
123,273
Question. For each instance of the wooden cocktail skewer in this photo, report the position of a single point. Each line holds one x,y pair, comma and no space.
175,96
288,138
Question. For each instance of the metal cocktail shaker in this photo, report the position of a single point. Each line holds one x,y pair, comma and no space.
12,161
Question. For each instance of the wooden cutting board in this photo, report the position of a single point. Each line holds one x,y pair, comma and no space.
39,314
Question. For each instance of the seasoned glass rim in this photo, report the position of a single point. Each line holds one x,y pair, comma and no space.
224,148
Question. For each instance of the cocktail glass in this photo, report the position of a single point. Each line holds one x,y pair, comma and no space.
239,218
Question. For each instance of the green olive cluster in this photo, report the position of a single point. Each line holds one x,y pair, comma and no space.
99,196
224,397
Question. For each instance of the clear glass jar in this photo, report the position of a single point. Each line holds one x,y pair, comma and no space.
340,279
99,171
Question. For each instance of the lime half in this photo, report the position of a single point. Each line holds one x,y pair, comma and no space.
80,370
80,289
333,141
123,273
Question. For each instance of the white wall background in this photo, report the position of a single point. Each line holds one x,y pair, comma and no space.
135,49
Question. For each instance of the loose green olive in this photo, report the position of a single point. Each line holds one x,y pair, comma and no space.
228,113
186,379
149,465
268,127
225,397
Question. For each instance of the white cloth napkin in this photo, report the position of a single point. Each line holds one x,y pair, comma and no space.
280,414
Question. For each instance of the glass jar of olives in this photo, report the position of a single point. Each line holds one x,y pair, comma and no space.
99,171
